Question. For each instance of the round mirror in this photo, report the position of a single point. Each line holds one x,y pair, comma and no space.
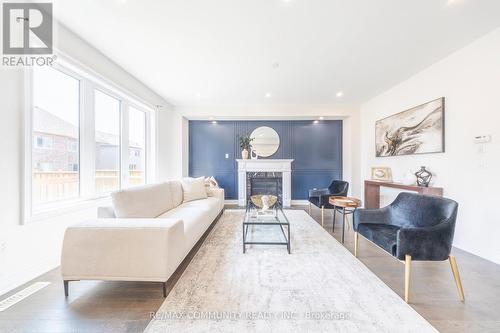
266,141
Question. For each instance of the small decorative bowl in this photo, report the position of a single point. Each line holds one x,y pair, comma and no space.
257,200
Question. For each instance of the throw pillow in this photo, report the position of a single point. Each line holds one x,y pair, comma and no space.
194,189
210,182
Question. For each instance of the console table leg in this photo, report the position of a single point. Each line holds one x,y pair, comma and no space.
343,224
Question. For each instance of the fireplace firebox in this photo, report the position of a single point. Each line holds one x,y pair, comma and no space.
265,183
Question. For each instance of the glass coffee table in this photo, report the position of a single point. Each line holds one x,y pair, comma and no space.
255,218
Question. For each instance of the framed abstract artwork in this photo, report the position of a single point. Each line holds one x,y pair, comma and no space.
419,130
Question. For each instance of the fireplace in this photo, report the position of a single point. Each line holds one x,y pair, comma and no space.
265,183
265,176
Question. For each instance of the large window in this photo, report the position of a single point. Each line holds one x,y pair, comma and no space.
137,146
87,138
107,142
56,136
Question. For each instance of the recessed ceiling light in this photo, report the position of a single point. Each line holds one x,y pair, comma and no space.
214,122
268,95
453,2
316,121
340,94
321,118
198,95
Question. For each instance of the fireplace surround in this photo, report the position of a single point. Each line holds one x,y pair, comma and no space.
265,176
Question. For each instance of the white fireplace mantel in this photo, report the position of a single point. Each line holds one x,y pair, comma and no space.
265,165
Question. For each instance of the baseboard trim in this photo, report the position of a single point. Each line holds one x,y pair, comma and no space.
299,202
294,202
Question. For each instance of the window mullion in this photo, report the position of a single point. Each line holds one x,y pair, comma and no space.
124,147
150,147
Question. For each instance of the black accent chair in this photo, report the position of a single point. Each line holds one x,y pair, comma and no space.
413,227
319,197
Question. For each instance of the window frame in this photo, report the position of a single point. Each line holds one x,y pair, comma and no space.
120,150
89,81
147,144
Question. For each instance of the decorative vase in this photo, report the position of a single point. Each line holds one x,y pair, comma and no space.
253,155
244,154
423,177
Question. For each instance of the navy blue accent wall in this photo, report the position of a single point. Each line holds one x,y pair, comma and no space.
315,148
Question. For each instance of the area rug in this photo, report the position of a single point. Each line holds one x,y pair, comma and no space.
319,287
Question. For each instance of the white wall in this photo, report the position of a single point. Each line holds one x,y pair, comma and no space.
27,251
350,116
470,81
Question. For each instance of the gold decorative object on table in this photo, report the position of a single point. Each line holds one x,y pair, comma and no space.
264,201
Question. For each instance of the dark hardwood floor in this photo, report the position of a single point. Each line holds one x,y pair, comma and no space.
433,292
101,307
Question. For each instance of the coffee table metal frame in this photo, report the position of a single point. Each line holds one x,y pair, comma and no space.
276,209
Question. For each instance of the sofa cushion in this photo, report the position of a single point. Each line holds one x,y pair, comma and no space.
143,201
384,235
193,189
197,216
176,192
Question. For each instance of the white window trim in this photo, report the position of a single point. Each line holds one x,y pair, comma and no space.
89,80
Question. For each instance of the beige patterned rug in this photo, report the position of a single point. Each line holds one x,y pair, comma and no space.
319,287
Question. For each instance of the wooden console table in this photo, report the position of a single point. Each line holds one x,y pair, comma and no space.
372,191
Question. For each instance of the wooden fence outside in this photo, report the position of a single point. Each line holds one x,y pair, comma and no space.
57,185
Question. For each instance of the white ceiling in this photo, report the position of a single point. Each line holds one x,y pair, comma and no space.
221,52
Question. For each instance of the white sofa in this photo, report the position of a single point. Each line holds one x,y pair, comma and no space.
143,237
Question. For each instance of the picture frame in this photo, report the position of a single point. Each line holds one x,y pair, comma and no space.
419,130
381,174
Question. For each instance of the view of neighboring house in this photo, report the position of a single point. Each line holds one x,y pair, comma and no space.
56,158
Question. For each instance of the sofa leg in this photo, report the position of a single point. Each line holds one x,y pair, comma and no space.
323,216
164,284
355,244
407,277
456,275
66,288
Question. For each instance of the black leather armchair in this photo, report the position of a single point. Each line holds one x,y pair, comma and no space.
320,197
413,227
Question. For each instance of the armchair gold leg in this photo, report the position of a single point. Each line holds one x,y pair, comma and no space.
323,216
456,275
355,244
407,277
